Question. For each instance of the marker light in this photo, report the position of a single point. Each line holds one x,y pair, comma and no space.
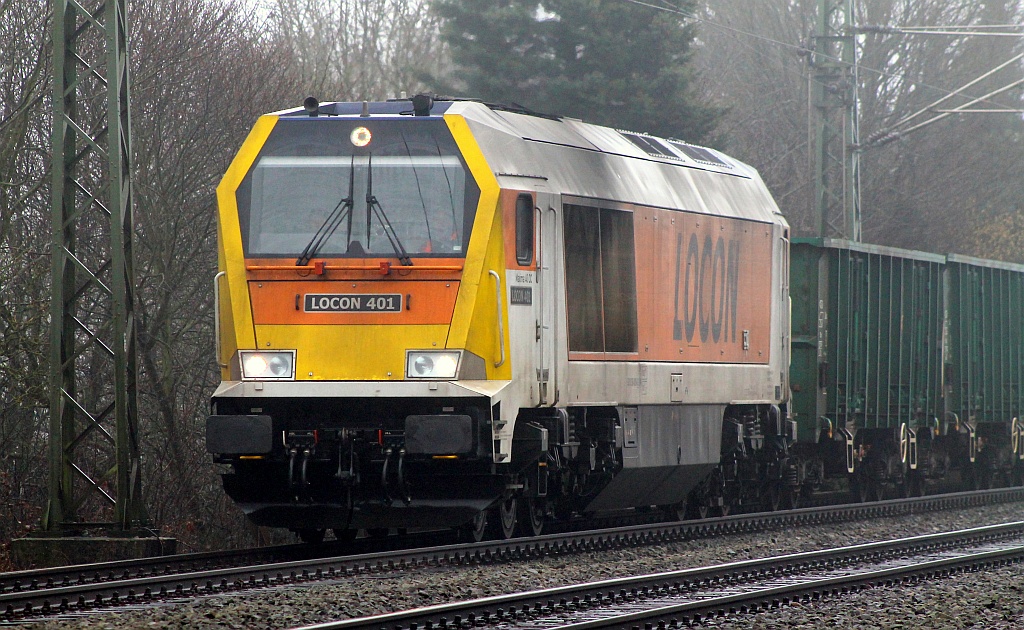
442,364
361,136
267,366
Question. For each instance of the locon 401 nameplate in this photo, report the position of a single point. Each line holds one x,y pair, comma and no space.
353,303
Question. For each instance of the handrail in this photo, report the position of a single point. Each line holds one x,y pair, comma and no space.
541,335
501,326
216,317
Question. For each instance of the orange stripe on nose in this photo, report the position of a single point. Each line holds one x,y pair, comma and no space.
346,302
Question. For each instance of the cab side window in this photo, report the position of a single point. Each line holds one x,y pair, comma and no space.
524,230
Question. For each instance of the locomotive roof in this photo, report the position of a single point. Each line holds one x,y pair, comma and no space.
528,150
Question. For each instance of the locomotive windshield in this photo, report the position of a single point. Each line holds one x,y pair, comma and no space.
316,170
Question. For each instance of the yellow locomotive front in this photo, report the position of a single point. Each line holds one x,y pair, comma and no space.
358,329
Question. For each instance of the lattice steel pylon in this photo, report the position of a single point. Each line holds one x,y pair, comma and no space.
95,476
834,122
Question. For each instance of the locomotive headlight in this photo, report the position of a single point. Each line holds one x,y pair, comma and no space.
278,365
432,363
360,136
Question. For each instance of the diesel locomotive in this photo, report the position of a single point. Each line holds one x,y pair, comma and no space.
439,312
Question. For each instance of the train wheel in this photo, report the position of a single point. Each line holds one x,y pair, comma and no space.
697,503
729,499
724,498
772,497
377,532
312,536
790,499
676,512
915,484
858,488
345,535
503,526
697,508
476,529
876,490
726,506
903,488
975,477
531,516
968,478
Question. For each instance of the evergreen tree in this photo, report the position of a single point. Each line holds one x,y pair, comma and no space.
610,62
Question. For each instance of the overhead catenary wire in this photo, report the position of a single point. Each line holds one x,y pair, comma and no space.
890,133
953,30
670,8
958,110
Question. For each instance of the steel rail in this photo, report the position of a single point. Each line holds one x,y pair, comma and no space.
32,579
30,594
557,607
768,598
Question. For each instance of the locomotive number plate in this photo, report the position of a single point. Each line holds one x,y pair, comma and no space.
353,303
522,295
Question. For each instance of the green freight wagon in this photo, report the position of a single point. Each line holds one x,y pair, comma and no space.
985,364
906,366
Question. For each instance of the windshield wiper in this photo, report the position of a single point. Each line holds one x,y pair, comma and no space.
333,220
373,208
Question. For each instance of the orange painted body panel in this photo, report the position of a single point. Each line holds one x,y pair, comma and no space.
701,282
420,301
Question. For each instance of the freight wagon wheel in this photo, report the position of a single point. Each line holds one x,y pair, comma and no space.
915,484
531,516
312,536
968,478
772,497
503,525
790,499
976,477
858,488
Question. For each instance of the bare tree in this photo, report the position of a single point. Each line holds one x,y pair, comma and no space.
924,189
751,62
203,72
360,49
24,262
920,191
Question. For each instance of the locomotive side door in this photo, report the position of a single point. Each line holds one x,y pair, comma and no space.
548,210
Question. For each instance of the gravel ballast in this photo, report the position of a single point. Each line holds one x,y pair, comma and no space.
993,599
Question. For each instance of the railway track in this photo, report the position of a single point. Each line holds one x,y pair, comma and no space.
681,598
50,592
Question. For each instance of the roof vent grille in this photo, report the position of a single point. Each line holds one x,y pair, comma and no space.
698,154
650,145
